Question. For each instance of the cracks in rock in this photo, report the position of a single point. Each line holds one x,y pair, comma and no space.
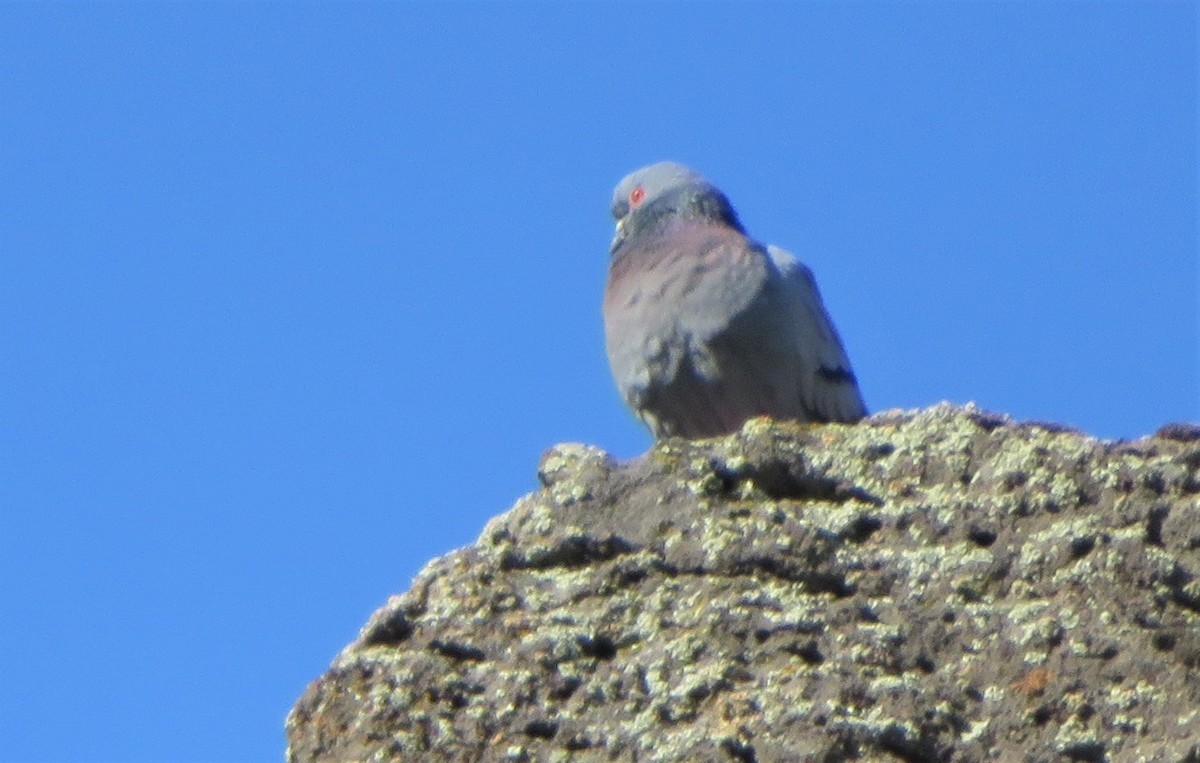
392,632
572,552
597,646
457,651
738,750
541,728
791,480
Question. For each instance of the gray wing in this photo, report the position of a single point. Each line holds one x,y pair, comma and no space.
825,383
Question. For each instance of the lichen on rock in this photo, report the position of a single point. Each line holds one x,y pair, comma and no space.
943,584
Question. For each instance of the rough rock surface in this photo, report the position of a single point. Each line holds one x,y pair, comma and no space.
940,585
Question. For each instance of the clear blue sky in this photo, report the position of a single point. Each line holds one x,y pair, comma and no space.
293,296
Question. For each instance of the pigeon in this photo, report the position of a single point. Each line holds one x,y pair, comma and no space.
705,327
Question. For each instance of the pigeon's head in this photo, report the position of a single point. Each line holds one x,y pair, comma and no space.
646,198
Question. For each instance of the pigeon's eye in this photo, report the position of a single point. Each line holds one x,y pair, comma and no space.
636,195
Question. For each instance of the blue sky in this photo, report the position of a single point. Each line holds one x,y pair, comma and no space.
293,296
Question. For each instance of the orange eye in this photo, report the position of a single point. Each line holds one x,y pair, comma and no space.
636,195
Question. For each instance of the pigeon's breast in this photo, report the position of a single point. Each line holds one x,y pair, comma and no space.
669,294
685,273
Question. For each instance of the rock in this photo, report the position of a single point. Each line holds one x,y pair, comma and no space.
936,585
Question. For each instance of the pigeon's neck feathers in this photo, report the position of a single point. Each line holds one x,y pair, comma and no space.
702,203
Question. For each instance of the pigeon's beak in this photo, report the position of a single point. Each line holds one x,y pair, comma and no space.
618,237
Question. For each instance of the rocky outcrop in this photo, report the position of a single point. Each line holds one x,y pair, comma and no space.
941,585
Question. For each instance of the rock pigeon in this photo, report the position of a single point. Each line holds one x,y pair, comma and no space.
704,326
